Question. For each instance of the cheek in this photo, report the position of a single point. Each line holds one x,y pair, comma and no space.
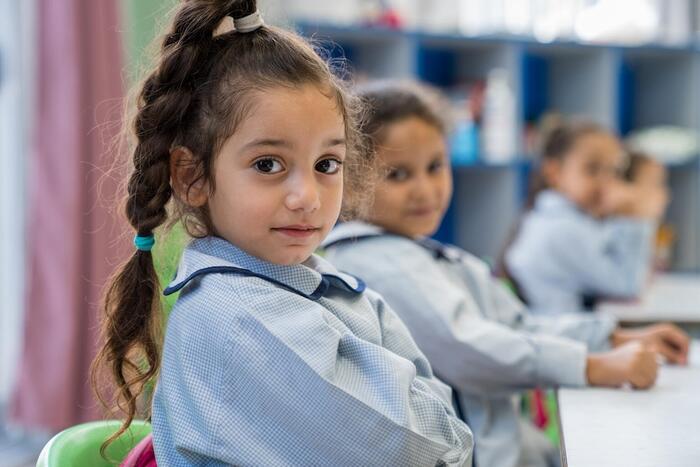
332,197
575,179
220,202
389,197
447,186
589,189
243,203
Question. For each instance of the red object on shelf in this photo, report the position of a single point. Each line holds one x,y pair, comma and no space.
387,18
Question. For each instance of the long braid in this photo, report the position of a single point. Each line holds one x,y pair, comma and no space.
132,323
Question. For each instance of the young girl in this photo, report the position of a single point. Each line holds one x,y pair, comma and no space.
271,356
588,234
478,337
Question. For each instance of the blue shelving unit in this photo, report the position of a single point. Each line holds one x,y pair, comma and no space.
624,88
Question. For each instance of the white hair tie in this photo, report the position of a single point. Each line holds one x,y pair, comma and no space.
248,23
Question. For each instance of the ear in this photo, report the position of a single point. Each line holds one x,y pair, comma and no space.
186,180
551,172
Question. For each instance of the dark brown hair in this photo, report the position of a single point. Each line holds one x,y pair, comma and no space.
390,101
202,86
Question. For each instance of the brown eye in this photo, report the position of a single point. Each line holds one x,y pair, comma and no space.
397,175
329,166
435,166
268,165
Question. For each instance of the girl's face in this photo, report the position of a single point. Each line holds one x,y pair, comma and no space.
585,173
416,184
278,180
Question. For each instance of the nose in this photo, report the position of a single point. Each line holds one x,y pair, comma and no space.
303,193
610,173
422,187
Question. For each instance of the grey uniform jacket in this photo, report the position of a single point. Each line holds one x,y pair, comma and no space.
479,338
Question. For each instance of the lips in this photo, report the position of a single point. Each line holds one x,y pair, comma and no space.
421,211
297,231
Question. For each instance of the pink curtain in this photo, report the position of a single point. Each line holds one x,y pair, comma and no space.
75,233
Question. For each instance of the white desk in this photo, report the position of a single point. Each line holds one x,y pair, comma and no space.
623,427
669,297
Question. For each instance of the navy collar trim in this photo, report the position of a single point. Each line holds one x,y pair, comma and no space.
213,255
440,250
326,281
361,231
354,238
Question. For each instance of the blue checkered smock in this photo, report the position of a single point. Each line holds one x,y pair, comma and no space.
293,365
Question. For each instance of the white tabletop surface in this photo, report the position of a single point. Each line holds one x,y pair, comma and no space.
669,297
625,427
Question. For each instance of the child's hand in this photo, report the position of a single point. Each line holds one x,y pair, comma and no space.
634,200
651,202
666,339
632,363
618,199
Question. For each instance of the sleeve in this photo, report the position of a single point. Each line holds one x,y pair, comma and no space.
397,338
592,329
300,392
469,352
613,260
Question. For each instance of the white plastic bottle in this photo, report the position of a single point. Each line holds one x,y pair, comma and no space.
499,119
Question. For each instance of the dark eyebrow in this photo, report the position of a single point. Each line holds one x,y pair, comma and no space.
335,142
268,142
286,144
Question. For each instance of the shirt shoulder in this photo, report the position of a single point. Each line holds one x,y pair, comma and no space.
381,253
562,227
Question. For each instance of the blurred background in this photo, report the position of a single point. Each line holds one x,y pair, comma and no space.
507,66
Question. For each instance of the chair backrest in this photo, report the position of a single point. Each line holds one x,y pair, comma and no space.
142,455
80,445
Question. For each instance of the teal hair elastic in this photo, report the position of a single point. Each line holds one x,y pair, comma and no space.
144,243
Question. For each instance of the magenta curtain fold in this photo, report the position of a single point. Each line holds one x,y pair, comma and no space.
75,235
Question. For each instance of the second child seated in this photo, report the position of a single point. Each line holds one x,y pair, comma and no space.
479,338
588,234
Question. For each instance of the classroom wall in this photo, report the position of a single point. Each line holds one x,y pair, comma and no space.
625,87
622,86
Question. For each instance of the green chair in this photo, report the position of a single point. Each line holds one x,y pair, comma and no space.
79,445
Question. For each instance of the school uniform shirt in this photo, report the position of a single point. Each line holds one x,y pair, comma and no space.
274,365
562,255
478,337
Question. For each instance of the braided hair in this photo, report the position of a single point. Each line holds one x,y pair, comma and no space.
201,87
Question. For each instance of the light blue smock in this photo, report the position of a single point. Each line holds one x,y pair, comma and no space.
296,365
478,337
561,255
